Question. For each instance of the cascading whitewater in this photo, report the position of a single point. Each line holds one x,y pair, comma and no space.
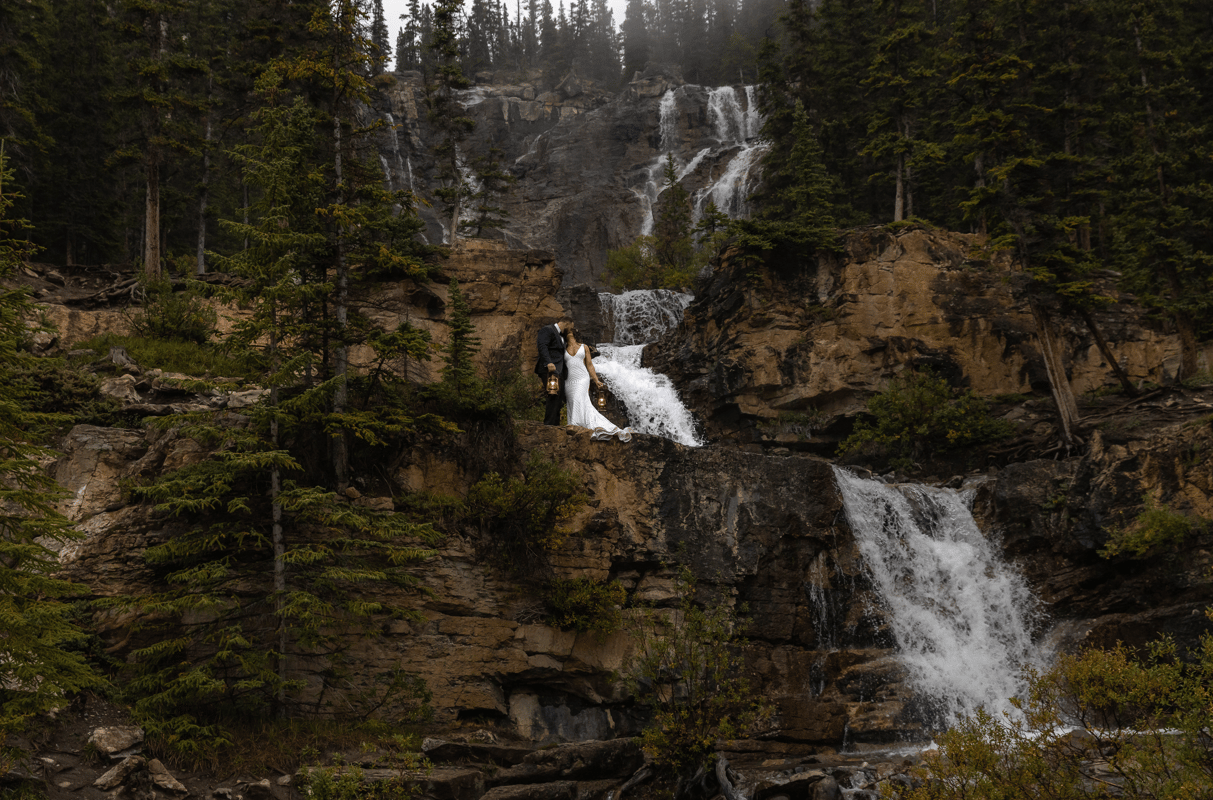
652,403
961,617
734,127
641,316
731,191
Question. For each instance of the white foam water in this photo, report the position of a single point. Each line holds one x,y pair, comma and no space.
962,618
652,403
642,315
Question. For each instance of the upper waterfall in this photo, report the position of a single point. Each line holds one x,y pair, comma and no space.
962,618
732,150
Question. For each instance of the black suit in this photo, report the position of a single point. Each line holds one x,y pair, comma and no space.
550,345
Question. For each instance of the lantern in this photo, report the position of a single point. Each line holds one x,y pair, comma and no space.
601,400
553,383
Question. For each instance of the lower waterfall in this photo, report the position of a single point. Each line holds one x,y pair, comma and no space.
962,618
652,403
650,398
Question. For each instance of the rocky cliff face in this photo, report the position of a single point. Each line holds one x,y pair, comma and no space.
588,163
822,339
763,530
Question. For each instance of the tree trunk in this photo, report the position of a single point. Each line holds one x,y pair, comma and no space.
1063,395
276,533
1102,344
151,219
899,201
341,351
204,191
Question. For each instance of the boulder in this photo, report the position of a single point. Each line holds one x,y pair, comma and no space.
120,773
116,741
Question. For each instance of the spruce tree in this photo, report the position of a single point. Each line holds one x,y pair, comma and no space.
1162,178
269,575
485,201
447,116
39,665
458,371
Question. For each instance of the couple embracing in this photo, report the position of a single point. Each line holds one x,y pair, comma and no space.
562,352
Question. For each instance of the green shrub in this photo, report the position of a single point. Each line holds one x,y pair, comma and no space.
520,517
347,783
1153,530
42,383
689,670
179,316
1102,724
585,605
919,415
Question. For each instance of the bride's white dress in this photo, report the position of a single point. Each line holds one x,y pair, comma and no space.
581,411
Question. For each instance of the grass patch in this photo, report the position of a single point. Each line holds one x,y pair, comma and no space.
191,358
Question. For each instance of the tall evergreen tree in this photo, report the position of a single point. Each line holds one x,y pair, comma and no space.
379,41
158,94
1163,172
77,207
270,575
24,29
447,115
38,664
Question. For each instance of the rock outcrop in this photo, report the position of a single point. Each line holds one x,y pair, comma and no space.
820,339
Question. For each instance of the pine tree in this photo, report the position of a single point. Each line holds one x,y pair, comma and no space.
1162,195
494,184
380,43
898,81
76,204
671,257
795,211
270,576
458,371
161,101
24,29
447,115
38,665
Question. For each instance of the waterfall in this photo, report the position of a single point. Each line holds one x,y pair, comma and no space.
648,192
961,617
753,117
652,403
728,120
641,316
403,166
735,123
731,192
648,195
668,124
387,173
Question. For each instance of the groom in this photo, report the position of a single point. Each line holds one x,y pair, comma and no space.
550,343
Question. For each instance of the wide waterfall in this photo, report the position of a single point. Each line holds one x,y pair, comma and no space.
962,618
652,403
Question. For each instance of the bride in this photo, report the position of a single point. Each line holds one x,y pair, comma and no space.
581,411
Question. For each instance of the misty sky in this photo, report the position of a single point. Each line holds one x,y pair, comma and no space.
392,9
